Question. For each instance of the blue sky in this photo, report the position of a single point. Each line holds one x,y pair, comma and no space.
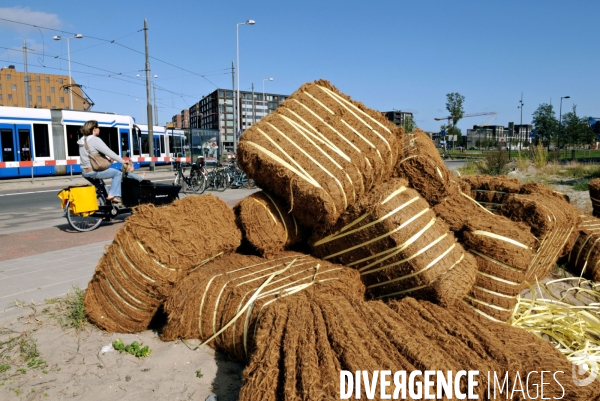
403,55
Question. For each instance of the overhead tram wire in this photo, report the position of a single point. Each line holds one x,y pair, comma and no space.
114,41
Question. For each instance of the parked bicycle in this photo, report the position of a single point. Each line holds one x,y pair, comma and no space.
216,178
196,180
238,178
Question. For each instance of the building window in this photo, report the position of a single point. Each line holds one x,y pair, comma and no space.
0,96
62,99
37,79
38,88
53,107
9,96
39,98
60,80
66,90
47,98
0,87
47,79
52,89
30,99
14,87
8,77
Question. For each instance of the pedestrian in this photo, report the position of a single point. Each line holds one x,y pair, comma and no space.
91,143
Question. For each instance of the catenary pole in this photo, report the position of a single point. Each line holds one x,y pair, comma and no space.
149,100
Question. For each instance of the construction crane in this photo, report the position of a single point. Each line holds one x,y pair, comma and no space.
449,118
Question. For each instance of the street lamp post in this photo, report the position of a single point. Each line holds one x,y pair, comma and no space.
560,124
520,125
77,36
264,99
237,105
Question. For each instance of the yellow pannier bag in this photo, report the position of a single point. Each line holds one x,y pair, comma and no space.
82,199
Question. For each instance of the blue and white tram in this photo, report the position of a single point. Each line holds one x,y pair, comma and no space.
46,140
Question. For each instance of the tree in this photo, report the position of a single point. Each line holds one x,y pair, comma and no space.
545,124
409,124
454,105
576,130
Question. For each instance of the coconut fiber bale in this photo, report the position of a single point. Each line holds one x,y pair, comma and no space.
594,189
584,258
225,300
421,164
153,251
266,224
399,246
552,221
319,152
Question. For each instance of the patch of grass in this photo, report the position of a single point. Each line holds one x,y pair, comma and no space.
470,168
70,310
581,185
522,160
199,374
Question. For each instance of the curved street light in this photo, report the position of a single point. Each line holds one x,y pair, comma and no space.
237,105
560,124
77,36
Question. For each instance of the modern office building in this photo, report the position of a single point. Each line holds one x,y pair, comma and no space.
216,111
397,116
46,91
490,136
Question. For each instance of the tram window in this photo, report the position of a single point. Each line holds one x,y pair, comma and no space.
125,144
41,140
110,136
25,144
73,135
162,144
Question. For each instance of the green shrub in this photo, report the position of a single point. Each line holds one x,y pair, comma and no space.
496,163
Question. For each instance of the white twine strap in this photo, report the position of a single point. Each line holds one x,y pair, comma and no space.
499,237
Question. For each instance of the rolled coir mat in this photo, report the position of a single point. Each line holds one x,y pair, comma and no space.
319,152
490,191
153,251
222,303
584,257
421,164
594,189
399,246
266,224
552,221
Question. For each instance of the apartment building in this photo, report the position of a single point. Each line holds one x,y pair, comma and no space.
216,111
46,91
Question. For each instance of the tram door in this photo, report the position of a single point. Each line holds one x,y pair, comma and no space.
157,149
15,142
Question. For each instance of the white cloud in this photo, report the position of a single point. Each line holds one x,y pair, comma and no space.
26,16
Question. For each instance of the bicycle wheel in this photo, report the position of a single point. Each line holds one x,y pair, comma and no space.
196,182
82,223
221,181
